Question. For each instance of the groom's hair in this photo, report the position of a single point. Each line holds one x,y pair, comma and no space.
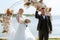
42,8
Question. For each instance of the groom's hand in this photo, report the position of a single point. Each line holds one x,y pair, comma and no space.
50,32
37,7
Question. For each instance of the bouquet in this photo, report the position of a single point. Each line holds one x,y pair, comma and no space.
27,21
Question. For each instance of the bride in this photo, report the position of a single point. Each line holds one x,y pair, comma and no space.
21,33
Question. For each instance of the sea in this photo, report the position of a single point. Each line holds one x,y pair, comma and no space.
33,26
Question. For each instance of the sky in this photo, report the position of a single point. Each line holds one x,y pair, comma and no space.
16,4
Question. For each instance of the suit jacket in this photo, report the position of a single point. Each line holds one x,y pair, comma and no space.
43,24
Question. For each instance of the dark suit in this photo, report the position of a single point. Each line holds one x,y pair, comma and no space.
44,25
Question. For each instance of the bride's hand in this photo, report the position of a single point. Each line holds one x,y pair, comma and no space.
21,21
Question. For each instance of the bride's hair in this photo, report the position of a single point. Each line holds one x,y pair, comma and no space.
21,9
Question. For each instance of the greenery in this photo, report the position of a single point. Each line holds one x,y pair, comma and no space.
49,39
14,15
53,39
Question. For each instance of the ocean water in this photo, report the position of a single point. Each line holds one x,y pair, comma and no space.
33,26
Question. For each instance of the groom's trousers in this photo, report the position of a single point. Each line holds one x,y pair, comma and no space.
43,35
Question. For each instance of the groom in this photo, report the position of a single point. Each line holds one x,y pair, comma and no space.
44,24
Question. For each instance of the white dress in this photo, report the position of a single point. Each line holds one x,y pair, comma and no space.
22,32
